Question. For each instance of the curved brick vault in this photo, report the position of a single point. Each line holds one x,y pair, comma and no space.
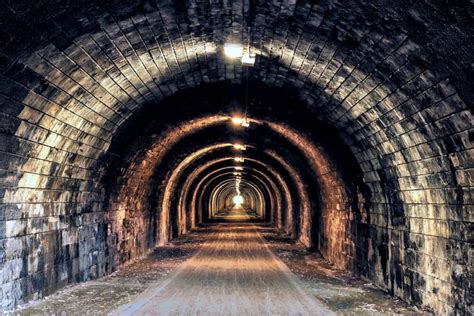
115,135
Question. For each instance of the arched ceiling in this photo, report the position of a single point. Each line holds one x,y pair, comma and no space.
74,72
356,107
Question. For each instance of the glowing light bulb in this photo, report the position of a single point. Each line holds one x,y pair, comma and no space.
233,50
239,147
238,168
239,159
237,120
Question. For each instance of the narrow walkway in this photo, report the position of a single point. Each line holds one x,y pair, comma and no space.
234,273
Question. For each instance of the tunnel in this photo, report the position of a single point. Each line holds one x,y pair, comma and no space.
327,139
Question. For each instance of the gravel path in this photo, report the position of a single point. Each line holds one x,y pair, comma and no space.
234,273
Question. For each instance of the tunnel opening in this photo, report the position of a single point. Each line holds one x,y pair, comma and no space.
301,187
345,127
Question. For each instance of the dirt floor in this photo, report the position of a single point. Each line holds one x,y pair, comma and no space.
224,269
234,273
342,292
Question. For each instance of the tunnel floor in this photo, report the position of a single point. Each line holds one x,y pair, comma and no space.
234,268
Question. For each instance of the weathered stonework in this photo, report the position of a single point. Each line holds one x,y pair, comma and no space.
392,78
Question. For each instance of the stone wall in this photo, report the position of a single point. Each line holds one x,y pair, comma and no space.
392,77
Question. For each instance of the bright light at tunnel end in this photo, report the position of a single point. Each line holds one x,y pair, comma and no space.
238,200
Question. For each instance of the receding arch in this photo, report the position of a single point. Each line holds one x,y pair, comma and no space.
383,82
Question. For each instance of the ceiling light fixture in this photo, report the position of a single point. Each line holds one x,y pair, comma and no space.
239,147
233,50
240,121
248,60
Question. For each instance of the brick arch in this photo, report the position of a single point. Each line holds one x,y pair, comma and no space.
395,93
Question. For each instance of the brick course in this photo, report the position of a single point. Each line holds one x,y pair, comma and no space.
393,79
